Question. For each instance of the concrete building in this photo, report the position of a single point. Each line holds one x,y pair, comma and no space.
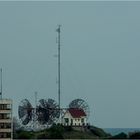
6,119
74,117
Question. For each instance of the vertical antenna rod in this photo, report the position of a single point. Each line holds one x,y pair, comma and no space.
1,83
35,111
35,100
59,80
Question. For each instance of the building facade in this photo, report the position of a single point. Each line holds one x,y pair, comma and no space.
6,124
74,117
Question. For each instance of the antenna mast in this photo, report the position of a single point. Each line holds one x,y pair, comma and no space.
59,84
35,101
1,83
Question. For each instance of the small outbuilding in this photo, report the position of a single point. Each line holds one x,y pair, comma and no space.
74,117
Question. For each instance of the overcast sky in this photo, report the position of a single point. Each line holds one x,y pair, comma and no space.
100,56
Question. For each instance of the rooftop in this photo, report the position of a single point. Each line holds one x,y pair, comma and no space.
5,101
77,113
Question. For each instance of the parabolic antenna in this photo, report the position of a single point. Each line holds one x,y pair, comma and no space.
25,111
47,111
80,104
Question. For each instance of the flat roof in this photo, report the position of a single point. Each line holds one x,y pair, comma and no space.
5,101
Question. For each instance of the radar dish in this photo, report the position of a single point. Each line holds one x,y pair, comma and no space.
81,104
47,111
25,111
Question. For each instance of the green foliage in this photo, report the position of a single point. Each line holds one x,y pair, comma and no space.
42,136
62,132
75,134
68,128
56,132
119,136
24,135
135,135
98,132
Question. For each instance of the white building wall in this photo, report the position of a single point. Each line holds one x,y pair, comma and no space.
67,115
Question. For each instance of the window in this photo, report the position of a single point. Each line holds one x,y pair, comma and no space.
82,120
8,106
1,125
5,135
66,120
5,125
8,125
8,116
5,106
71,121
5,116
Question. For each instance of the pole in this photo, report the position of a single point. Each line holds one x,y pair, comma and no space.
35,101
59,64
1,83
35,112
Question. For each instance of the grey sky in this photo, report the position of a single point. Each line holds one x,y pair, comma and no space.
100,56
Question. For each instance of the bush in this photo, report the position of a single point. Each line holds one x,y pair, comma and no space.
42,136
98,132
119,136
24,135
68,128
135,135
56,132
